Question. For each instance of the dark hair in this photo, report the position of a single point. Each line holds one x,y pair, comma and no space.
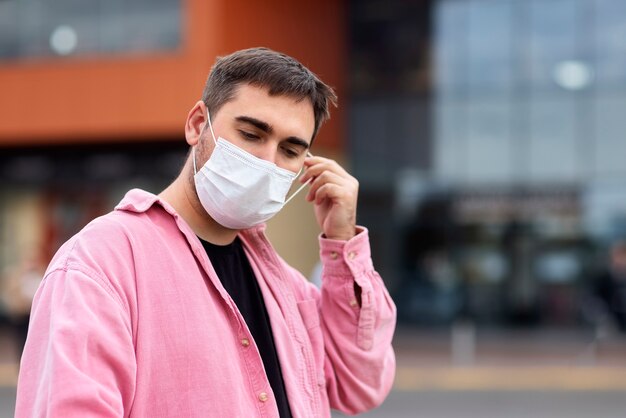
262,67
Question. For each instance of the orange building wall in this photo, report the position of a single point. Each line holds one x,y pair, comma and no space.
121,98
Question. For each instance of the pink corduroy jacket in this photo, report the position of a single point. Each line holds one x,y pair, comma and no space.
132,321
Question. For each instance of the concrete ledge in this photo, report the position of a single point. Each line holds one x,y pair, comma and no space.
543,378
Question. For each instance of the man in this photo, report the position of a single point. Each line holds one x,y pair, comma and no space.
177,306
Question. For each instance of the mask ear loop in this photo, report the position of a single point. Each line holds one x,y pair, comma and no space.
193,150
302,186
208,118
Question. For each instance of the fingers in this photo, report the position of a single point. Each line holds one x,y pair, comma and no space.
314,166
326,178
324,172
335,193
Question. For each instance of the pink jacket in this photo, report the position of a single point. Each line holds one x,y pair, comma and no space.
132,321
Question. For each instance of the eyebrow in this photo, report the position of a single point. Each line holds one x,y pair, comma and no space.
267,128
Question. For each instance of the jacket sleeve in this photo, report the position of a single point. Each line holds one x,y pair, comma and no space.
359,359
79,359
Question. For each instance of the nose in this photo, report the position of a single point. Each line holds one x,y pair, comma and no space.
267,152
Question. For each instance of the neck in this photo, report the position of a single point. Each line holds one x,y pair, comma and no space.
181,195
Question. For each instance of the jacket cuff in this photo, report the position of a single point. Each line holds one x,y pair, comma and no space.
351,257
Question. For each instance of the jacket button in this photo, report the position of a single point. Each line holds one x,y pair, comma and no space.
263,397
333,255
245,342
351,255
353,302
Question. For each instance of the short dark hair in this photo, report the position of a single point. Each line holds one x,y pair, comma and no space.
279,73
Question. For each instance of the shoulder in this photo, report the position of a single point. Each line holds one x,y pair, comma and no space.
109,244
96,239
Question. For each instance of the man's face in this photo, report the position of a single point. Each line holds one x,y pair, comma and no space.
274,128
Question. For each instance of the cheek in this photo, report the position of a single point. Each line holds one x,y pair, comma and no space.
204,148
295,169
293,165
199,155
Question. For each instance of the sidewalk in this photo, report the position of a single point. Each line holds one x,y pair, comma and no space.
509,360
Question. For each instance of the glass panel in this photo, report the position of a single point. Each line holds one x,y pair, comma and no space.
32,40
412,131
37,28
610,144
156,28
553,34
81,17
8,28
605,208
610,48
489,148
450,46
114,25
489,45
450,145
373,141
553,141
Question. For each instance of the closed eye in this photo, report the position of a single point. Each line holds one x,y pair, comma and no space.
291,152
249,135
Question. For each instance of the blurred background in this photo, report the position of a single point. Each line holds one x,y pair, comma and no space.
487,136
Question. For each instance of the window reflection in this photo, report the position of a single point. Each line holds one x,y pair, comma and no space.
489,45
609,131
489,148
521,153
610,33
450,52
553,38
451,143
554,148
40,28
538,61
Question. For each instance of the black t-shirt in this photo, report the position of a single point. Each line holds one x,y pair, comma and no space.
234,271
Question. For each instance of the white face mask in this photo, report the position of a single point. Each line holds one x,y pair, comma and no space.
239,190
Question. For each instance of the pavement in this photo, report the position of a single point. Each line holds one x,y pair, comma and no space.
494,373
508,360
464,372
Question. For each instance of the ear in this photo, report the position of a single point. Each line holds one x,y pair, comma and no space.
196,119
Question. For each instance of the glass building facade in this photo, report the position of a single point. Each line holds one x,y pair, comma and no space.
488,138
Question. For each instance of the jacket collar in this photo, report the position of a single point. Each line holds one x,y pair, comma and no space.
140,201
